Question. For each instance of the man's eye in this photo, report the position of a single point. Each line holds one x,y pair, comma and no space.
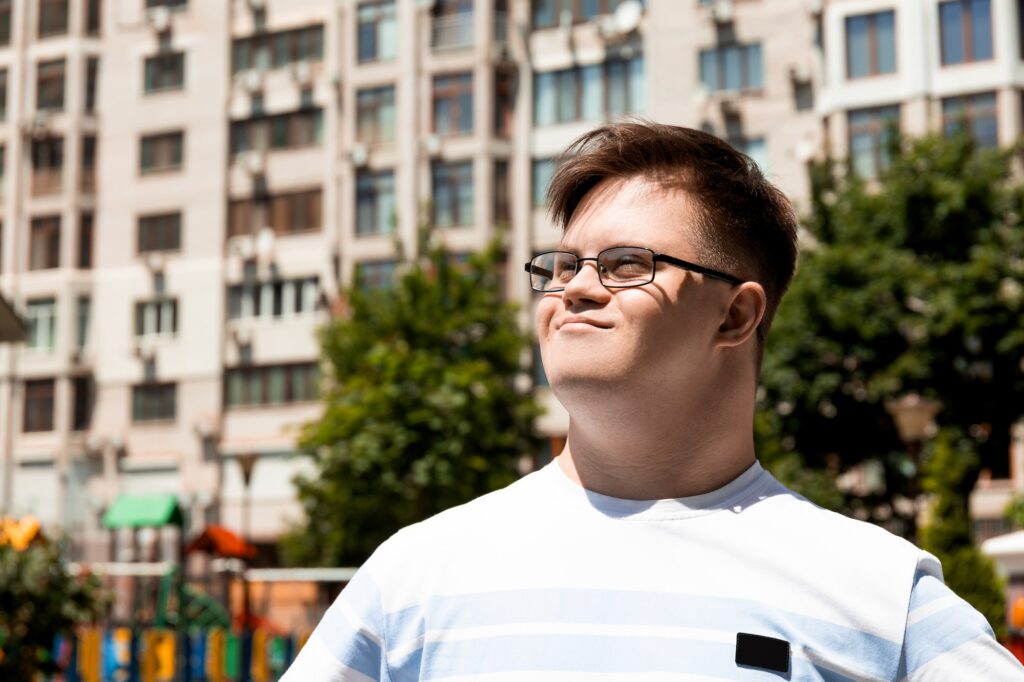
629,265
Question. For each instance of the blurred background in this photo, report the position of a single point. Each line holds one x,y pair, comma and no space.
263,302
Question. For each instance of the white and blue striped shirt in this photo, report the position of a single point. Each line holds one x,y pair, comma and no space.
545,580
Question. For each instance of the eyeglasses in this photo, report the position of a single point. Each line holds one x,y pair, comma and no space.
619,267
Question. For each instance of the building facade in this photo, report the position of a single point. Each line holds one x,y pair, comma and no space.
185,185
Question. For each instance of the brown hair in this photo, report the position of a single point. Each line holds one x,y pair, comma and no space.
744,225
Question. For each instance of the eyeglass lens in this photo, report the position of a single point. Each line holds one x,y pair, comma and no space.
617,267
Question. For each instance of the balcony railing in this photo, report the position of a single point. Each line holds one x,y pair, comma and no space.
452,32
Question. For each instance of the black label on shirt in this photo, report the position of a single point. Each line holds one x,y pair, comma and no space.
759,651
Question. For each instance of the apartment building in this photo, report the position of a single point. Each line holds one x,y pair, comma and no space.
184,186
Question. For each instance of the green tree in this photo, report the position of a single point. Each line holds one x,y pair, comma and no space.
909,283
422,406
39,600
947,465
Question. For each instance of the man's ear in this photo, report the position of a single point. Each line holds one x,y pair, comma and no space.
745,311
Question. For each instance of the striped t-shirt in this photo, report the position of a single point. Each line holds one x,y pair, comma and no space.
545,580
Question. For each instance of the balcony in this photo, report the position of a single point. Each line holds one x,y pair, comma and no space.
452,32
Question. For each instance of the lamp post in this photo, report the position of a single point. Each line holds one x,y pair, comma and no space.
247,462
915,422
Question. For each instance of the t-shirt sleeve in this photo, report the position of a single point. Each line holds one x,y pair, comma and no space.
946,639
348,643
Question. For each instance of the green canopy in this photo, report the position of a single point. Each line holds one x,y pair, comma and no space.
135,511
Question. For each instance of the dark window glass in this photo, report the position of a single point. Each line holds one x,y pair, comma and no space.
502,199
5,22
38,405
870,44
270,385
154,402
274,50
83,313
870,131
590,93
44,245
3,94
371,275
161,232
284,213
543,170
93,9
50,85
92,67
974,113
301,128
732,67
504,102
965,31
165,71
375,115
85,241
377,31
53,17
172,4
452,184
82,398
375,202
453,104
47,165
162,152
88,179
273,299
156,317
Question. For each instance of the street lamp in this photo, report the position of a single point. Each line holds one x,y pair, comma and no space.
915,423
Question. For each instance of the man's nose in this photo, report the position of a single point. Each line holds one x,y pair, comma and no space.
586,283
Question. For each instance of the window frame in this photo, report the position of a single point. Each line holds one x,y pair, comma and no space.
372,188
159,63
172,138
162,390
45,422
155,221
44,231
454,172
455,90
966,36
874,45
50,96
371,105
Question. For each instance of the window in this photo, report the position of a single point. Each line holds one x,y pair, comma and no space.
974,113
453,104
53,17
88,179
161,153
85,241
50,85
966,31
165,71
547,13
502,198
284,213
92,17
157,317
731,67
82,315
171,4
373,275
154,402
870,44
375,202
92,68
5,22
378,31
38,406
284,131
543,170
47,165
83,391
3,94
870,132
375,115
754,147
504,102
451,24
590,93
159,232
274,299
41,324
270,385
452,184
44,246
274,50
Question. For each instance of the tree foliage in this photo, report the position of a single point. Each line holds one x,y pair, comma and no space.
39,600
910,283
422,410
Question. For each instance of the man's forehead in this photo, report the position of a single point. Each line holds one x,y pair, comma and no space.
630,206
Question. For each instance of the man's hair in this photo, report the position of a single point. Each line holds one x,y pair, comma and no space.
743,224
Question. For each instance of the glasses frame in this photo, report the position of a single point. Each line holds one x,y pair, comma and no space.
655,258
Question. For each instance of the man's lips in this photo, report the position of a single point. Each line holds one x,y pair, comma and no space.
575,320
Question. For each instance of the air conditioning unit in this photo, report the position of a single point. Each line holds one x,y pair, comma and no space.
800,73
251,80
432,145
254,161
358,155
39,126
265,241
241,337
159,18
243,246
729,103
815,7
302,73
144,351
721,11
623,21
155,262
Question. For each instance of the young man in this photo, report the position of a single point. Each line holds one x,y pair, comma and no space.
654,547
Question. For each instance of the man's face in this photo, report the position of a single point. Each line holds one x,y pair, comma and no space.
660,334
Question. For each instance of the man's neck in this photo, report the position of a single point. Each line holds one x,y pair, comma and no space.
656,454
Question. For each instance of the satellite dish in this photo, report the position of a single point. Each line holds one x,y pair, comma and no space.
627,16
